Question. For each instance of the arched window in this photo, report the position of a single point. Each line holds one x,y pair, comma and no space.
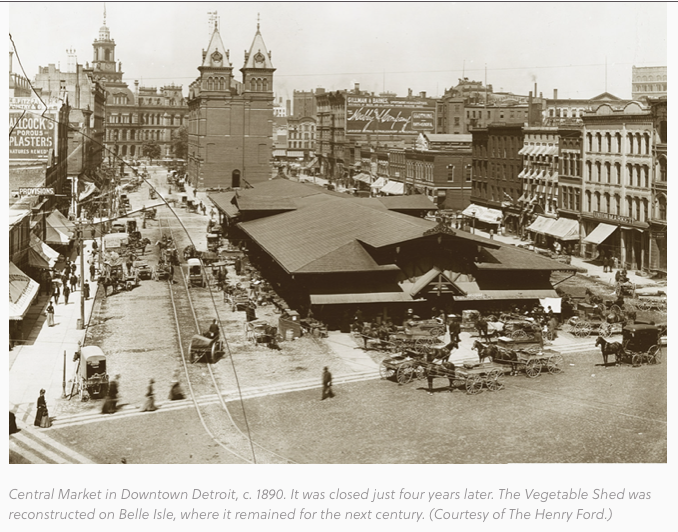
607,202
629,206
617,173
265,84
132,150
618,142
107,55
598,172
617,204
646,142
608,143
608,173
589,141
599,143
596,196
637,214
661,204
566,164
630,139
644,212
589,173
629,175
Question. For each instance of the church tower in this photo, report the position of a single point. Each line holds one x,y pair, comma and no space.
258,71
216,71
231,123
103,63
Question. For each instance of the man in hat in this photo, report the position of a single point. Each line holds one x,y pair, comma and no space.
327,384
455,328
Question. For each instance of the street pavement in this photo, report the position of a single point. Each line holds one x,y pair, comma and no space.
39,363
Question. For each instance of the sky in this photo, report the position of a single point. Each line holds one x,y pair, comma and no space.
389,46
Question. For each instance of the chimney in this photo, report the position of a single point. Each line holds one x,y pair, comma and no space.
422,94
356,88
555,94
409,93
535,89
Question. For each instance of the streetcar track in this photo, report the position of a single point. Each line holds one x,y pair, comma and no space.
272,456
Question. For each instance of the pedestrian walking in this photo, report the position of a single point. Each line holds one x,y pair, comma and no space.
56,293
12,423
42,414
92,271
50,314
195,192
455,328
85,290
67,292
74,282
149,405
111,401
539,336
615,261
327,384
73,268
176,393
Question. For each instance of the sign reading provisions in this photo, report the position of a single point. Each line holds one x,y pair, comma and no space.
36,191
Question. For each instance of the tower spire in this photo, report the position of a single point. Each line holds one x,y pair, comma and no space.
257,21
104,13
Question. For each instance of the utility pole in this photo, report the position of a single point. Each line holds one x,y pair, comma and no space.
81,246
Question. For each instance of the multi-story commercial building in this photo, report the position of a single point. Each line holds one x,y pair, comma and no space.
147,116
350,119
658,213
648,82
497,163
568,111
617,190
87,99
540,169
230,123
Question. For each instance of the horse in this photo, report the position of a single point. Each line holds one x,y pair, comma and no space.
610,348
485,351
443,368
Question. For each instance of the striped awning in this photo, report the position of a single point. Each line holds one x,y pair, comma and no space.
22,292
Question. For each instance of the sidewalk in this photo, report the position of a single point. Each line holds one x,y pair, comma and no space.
39,361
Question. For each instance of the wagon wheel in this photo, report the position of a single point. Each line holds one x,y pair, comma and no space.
582,330
605,329
405,374
423,342
616,310
474,384
493,380
554,364
644,305
533,368
654,355
437,331
636,360
385,372
550,335
518,334
420,372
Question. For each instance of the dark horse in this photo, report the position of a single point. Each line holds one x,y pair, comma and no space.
485,351
610,348
438,365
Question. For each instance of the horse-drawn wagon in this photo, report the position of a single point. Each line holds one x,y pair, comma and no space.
92,379
532,360
204,347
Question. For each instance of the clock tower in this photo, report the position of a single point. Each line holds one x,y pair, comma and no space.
103,63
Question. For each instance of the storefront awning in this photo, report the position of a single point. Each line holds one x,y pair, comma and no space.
564,229
311,164
22,292
40,254
373,297
483,214
90,188
523,173
524,150
600,233
541,225
379,183
394,188
365,178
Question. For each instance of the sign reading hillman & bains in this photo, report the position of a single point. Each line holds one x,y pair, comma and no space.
33,132
390,116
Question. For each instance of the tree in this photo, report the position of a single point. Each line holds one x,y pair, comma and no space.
151,150
180,142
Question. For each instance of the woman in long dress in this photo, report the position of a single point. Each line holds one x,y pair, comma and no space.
149,405
42,415
111,402
50,314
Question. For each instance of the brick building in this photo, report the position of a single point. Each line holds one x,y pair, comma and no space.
230,123
658,212
134,118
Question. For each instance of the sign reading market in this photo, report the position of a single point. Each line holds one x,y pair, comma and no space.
389,116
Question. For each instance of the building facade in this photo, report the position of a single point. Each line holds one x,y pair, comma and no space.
648,82
617,190
497,163
135,120
658,213
230,123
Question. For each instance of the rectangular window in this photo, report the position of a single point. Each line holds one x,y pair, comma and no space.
450,172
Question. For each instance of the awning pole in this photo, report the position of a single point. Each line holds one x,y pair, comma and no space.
566,278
